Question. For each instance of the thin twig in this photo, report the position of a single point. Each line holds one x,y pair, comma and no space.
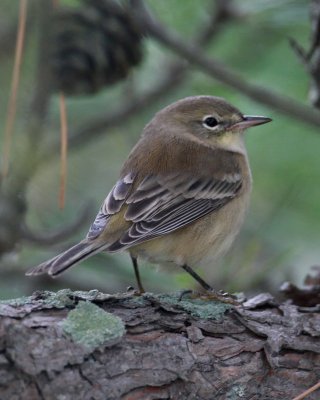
223,12
64,150
9,29
310,58
299,51
218,70
12,105
307,392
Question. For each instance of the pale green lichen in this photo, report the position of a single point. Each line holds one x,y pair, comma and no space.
237,392
67,297
60,299
140,300
20,301
197,307
91,326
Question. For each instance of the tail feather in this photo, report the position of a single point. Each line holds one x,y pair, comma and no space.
58,264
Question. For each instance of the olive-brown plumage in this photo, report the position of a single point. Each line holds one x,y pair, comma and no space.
182,193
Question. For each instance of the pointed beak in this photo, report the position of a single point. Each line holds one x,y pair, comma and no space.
251,120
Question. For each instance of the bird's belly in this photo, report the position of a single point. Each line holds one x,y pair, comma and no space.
198,244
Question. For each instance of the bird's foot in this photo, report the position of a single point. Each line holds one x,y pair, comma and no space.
212,294
221,296
185,292
135,292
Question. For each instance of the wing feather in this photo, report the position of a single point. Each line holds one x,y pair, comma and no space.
162,204
112,204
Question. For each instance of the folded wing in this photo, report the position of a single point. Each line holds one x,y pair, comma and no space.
160,205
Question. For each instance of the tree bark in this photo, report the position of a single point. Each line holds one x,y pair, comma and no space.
92,346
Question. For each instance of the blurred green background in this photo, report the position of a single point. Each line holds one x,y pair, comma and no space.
279,240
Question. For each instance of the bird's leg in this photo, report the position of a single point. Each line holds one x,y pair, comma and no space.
137,273
212,293
197,277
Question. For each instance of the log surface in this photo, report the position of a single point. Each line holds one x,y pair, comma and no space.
93,346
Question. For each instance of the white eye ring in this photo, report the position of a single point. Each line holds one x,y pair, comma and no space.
210,122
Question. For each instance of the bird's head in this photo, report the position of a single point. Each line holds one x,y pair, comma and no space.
209,119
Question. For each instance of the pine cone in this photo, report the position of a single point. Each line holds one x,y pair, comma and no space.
93,46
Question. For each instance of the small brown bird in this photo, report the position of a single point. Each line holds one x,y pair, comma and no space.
182,193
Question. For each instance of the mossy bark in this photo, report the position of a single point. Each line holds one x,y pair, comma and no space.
88,345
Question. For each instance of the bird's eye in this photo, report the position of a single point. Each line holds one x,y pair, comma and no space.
209,122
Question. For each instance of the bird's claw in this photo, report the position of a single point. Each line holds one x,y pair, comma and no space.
212,294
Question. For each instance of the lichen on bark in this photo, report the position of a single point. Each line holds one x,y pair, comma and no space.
91,326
